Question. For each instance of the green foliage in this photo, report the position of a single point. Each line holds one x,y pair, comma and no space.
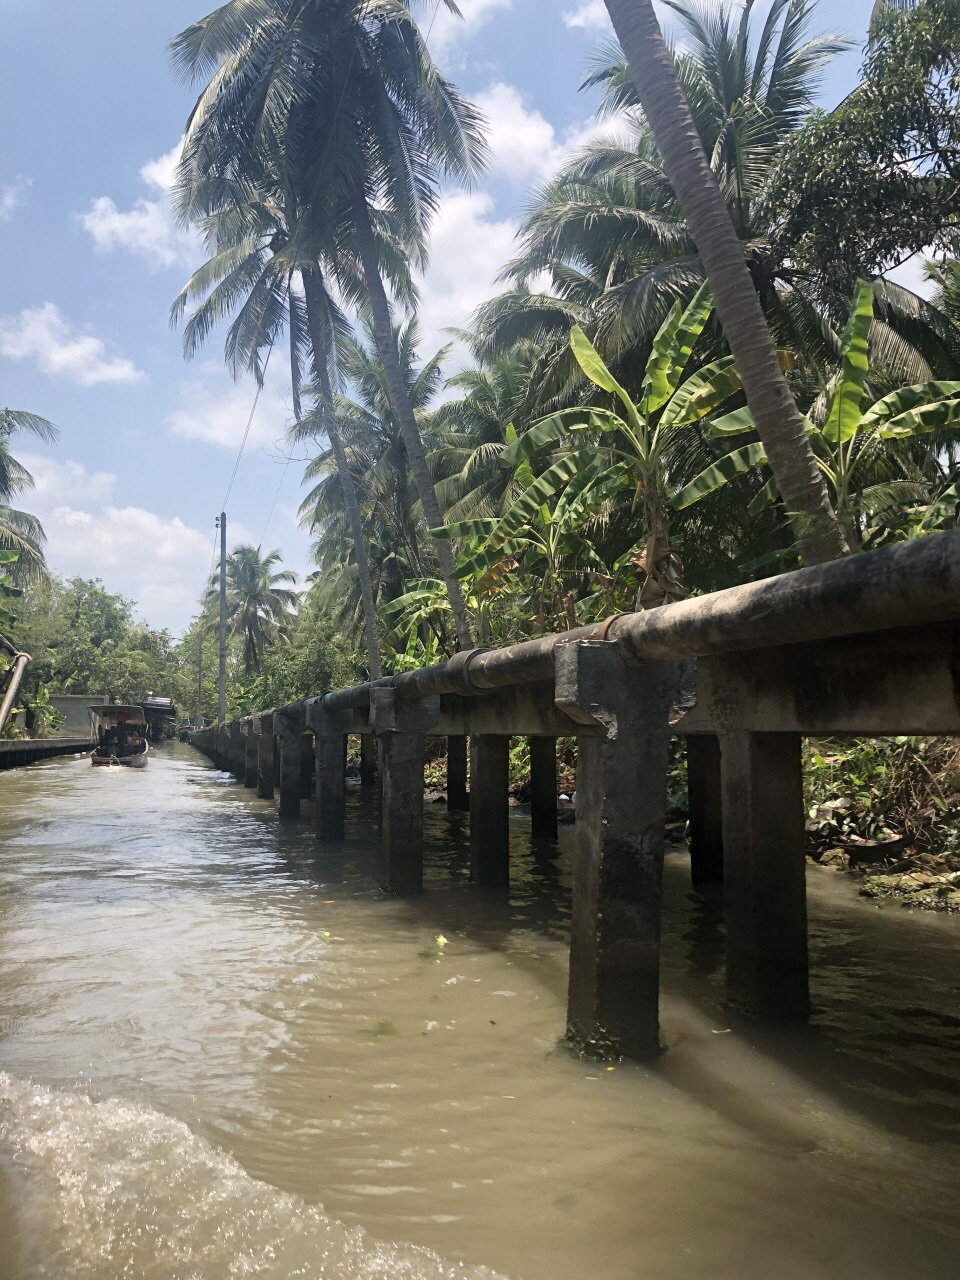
875,181
83,639
314,660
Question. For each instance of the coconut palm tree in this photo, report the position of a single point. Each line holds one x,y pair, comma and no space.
260,602
254,271
20,531
363,123
375,448
779,422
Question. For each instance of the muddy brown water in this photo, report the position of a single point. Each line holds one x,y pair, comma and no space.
224,1054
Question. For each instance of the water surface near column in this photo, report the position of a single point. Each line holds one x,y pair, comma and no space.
224,1053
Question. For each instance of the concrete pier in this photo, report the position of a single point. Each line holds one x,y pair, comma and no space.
368,759
330,746
458,798
490,811
250,755
864,646
704,808
543,787
621,806
765,881
289,730
401,728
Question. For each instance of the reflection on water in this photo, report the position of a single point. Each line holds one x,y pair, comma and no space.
223,1053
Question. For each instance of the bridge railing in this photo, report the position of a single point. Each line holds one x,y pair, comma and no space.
866,645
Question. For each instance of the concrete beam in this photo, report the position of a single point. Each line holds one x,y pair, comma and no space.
490,810
621,807
901,681
519,711
765,874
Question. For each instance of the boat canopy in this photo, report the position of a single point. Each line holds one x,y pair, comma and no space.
112,714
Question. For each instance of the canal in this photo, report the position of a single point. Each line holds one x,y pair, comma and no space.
224,1054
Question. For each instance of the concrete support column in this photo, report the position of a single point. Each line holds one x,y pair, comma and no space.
368,759
543,787
490,811
307,785
621,810
235,751
289,727
705,808
765,903
262,730
221,758
402,728
457,797
330,747
250,755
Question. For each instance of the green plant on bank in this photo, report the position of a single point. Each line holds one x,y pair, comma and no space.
855,447
8,591
604,454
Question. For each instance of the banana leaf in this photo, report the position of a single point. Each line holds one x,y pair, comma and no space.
714,477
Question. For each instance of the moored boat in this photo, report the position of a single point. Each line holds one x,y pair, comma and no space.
121,737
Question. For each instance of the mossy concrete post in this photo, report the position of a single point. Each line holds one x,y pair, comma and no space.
222,757
368,759
543,787
250,753
401,727
458,798
330,746
490,810
704,808
307,784
262,726
614,989
235,750
288,724
765,904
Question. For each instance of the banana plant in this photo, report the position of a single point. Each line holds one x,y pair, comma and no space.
851,440
630,443
537,541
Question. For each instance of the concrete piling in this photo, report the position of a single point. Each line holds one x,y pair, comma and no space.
368,759
490,811
765,874
458,798
251,744
289,728
704,808
330,746
621,806
401,728
543,787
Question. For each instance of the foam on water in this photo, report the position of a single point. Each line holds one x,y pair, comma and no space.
113,1189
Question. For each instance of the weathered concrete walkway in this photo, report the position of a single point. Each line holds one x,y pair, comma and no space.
868,645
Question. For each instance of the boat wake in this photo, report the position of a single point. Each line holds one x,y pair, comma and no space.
112,1189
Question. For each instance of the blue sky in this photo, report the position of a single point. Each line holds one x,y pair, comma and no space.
91,260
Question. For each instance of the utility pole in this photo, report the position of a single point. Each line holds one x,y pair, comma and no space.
222,688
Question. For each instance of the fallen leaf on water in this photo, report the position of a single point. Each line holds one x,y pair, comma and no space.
725,1032
441,940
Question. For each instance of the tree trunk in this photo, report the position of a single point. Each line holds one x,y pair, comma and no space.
315,319
779,422
389,358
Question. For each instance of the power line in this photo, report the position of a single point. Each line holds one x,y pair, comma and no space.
243,442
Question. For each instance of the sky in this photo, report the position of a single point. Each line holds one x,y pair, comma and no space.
91,259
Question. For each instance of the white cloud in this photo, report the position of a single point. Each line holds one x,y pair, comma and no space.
148,230
13,195
213,408
448,31
469,247
58,348
524,146
159,561
592,14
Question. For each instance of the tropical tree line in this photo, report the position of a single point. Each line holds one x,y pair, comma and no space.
696,372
